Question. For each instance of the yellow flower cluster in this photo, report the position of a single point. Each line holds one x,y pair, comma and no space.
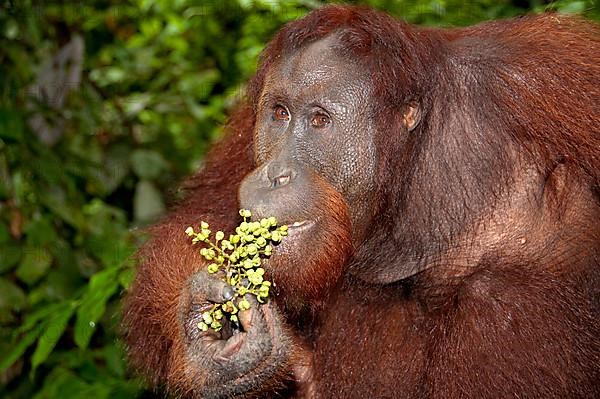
238,260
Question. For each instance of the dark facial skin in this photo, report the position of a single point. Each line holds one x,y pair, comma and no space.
313,122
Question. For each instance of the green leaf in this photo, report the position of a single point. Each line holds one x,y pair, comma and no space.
10,255
39,314
34,265
147,202
572,7
11,296
126,277
52,331
105,178
112,248
15,354
93,304
147,164
115,360
5,181
63,383
108,75
56,200
40,231
11,124
4,235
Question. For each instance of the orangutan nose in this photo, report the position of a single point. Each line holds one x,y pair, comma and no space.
280,181
278,175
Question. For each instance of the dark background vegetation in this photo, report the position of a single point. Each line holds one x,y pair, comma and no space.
104,106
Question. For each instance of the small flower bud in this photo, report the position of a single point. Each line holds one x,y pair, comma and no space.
252,249
212,268
263,290
255,279
244,304
276,236
207,317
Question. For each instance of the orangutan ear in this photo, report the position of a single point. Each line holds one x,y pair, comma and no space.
412,116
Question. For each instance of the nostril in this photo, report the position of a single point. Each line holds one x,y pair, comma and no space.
281,180
278,174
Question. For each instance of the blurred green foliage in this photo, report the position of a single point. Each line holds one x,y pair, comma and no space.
104,106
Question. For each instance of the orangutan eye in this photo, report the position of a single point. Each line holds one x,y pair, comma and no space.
281,114
320,121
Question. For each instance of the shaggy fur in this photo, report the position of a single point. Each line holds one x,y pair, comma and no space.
480,277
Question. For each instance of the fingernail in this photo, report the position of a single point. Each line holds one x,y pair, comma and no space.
228,293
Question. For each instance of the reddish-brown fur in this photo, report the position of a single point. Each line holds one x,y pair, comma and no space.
506,302
154,333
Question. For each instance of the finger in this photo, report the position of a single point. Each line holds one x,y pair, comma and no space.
254,343
253,320
208,287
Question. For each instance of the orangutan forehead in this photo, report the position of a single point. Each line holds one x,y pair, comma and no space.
317,63
317,66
